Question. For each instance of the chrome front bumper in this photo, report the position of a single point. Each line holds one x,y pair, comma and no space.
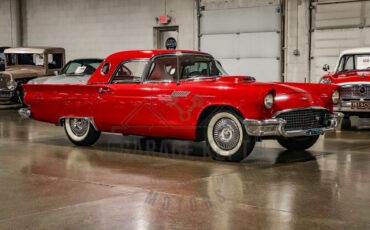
25,112
276,127
346,106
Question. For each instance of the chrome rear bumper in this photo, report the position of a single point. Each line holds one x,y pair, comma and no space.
25,112
276,127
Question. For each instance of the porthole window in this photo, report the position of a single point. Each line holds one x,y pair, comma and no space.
105,69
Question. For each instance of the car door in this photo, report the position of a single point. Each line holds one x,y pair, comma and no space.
176,103
124,104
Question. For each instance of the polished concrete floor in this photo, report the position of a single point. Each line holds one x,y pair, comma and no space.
127,183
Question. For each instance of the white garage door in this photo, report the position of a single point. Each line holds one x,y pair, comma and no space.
245,40
337,26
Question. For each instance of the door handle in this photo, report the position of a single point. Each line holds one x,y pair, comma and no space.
103,90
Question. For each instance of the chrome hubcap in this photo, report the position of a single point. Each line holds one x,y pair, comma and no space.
226,134
79,126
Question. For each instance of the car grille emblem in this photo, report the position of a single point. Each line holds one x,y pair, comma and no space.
362,90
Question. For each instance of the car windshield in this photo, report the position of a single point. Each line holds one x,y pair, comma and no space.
354,62
25,59
81,67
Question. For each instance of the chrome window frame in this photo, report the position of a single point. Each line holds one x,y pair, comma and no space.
127,61
179,54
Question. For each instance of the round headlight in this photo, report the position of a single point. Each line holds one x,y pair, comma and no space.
12,85
269,101
335,97
325,80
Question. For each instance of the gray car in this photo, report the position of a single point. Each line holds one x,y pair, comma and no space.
77,71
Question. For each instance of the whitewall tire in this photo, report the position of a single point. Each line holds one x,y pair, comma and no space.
80,131
226,137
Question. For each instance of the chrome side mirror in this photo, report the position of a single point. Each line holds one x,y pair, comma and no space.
326,68
56,72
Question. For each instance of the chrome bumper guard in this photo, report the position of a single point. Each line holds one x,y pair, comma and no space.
276,127
25,112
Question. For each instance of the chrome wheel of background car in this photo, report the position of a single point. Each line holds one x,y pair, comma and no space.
80,131
298,143
226,137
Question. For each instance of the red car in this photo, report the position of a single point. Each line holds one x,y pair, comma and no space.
352,73
185,95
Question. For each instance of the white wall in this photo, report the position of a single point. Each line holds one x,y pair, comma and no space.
96,28
9,23
297,37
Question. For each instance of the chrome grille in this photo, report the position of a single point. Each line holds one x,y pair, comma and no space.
350,92
4,81
305,119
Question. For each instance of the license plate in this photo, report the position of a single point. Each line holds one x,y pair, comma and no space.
313,132
363,105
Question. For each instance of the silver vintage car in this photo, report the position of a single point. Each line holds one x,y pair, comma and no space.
76,71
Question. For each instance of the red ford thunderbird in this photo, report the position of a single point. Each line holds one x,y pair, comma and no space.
185,95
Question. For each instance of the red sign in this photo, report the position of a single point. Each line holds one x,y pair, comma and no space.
164,19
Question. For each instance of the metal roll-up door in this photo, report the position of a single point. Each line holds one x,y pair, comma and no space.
337,26
246,40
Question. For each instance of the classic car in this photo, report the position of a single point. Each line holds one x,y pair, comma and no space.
76,71
185,95
352,73
23,64
2,57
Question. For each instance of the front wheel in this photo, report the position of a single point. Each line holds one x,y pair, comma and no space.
80,131
346,124
226,138
298,143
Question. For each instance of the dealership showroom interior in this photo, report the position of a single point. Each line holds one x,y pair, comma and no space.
184,114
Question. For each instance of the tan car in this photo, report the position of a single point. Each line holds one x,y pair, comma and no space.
23,64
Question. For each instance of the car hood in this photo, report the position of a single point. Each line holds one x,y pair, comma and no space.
287,95
18,72
342,78
61,79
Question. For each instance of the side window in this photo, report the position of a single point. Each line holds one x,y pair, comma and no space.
55,61
164,69
349,63
131,71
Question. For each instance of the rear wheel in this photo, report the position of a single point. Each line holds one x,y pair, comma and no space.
80,131
226,138
298,143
